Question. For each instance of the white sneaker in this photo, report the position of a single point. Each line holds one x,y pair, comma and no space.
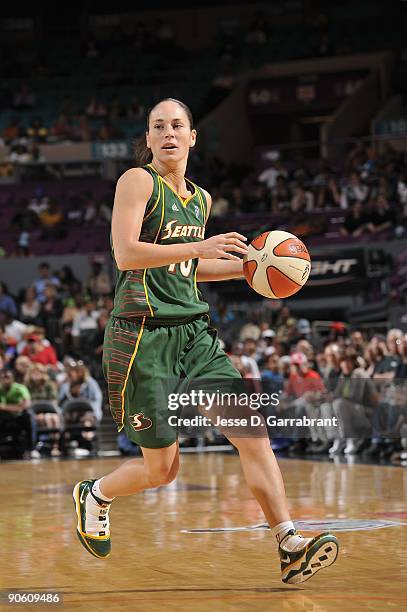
80,452
352,447
336,448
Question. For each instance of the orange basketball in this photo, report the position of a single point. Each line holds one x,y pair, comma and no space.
277,264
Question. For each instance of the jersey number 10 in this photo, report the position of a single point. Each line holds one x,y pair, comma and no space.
184,266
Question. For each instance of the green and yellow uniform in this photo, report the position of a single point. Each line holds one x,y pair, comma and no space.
159,327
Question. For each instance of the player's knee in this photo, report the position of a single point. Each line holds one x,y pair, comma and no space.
163,474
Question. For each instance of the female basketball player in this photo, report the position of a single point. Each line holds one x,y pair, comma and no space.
159,329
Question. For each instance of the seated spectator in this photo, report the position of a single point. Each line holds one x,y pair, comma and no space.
15,412
39,352
39,202
81,385
37,131
98,283
353,190
281,195
382,217
51,219
356,221
95,108
303,393
220,205
69,284
328,195
51,312
251,329
271,374
89,211
302,200
7,303
44,278
13,328
21,366
41,387
30,308
354,399
23,245
84,324
275,169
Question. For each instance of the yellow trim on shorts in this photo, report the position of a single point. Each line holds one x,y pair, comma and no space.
129,368
161,192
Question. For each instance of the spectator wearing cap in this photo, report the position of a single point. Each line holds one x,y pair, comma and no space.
14,410
265,345
304,390
303,328
38,352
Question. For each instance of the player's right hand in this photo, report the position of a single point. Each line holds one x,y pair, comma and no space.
220,246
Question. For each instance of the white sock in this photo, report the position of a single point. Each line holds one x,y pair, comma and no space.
98,493
280,530
292,542
97,517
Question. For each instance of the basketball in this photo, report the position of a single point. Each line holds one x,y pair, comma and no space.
277,264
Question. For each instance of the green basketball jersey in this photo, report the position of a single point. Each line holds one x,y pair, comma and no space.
167,294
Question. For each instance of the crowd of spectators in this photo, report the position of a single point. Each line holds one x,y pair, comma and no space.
51,339
367,187
357,377
362,195
54,217
236,45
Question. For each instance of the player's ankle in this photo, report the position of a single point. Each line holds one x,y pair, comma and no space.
98,495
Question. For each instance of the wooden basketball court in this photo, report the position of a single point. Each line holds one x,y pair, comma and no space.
155,565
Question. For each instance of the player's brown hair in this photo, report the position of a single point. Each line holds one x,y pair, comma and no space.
142,152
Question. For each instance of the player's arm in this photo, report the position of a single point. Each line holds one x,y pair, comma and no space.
219,269
133,191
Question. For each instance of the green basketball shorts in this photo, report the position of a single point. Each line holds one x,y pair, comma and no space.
137,359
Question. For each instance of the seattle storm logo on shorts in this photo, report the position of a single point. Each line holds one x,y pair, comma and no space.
139,421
